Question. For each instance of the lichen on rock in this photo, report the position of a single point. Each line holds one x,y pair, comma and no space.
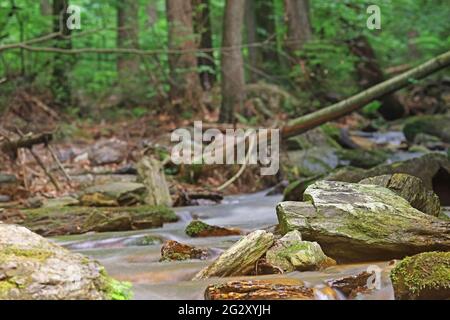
422,277
32,267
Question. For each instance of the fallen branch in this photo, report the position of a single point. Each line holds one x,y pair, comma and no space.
312,120
10,147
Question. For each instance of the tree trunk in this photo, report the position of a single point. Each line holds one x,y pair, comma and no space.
233,82
298,23
128,37
61,64
312,120
254,53
370,74
203,28
185,83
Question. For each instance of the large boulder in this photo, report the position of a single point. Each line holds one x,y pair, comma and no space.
357,222
114,195
434,125
32,268
240,258
432,168
425,276
56,221
411,189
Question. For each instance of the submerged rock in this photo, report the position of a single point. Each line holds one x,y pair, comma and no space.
33,268
114,195
173,250
240,258
425,276
199,229
79,220
357,222
411,189
350,286
290,253
259,290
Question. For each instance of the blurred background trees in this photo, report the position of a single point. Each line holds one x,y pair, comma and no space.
198,57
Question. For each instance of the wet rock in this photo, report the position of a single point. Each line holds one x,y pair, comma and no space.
258,290
357,222
199,229
107,152
411,189
432,168
173,250
434,125
294,191
151,174
351,286
290,253
240,258
425,276
114,195
79,220
33,268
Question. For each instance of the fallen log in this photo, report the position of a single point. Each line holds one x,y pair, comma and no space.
10,147
312,120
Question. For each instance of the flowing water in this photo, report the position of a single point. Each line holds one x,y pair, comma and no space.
125,259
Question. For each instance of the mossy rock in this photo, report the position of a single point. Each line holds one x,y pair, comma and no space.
435,125
114,195
359,158
411,189
432,168
290,253
309,162
78,220
357,222
323,136
198,228
294,191
33,268
425,276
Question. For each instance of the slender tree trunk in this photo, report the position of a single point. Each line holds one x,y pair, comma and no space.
312,120
128,37
370,74
265,21
203,28
254,58
61,64
185,83
298,23
233,82
261,27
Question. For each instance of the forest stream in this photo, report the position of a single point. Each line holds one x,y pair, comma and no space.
152,279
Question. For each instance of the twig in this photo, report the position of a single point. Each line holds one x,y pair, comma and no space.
61,167
41,164
242,169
